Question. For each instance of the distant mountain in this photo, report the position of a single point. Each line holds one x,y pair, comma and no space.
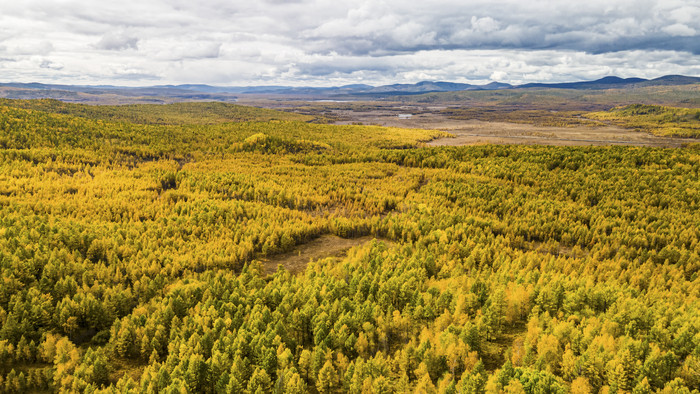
361,89
106,94
613,82
357,86
496,86
672,80
185,92
200,88
424,87
603,83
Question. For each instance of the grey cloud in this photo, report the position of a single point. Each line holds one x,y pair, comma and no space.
601,27
33,48
191,50
117,42
203,51
679,29
347,66
135,76
50,65
284,1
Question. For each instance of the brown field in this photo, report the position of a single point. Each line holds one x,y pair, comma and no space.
473,131
490,124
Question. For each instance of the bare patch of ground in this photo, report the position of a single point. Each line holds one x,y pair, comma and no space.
488,131
473,132
320,248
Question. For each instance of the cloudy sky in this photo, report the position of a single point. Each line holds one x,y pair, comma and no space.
332,42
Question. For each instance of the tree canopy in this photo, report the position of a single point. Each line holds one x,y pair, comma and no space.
130,259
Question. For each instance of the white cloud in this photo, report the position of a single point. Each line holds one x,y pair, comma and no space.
188,50
484,25
50,65
327,42
680,30
117,42
38,48
499,76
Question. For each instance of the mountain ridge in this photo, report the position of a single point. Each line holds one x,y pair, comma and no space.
228,93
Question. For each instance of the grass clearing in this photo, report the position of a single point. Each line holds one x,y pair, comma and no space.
320,248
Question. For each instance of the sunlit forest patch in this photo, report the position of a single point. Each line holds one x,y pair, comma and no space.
681,122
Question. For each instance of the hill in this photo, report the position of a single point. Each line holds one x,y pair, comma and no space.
559,99
616,82
603,83
176,113
682,122
197,92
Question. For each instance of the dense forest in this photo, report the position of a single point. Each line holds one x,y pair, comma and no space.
132,241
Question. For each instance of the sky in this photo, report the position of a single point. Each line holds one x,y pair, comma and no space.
334,43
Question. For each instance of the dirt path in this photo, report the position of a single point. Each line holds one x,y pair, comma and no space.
321,247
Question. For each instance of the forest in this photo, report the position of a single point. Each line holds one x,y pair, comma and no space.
683,122
132,241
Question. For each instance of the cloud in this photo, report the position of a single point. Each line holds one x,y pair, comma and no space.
40,48
117,42
327,42
191,50
499,76
594,27
50,65
680,30
485,25
136,76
